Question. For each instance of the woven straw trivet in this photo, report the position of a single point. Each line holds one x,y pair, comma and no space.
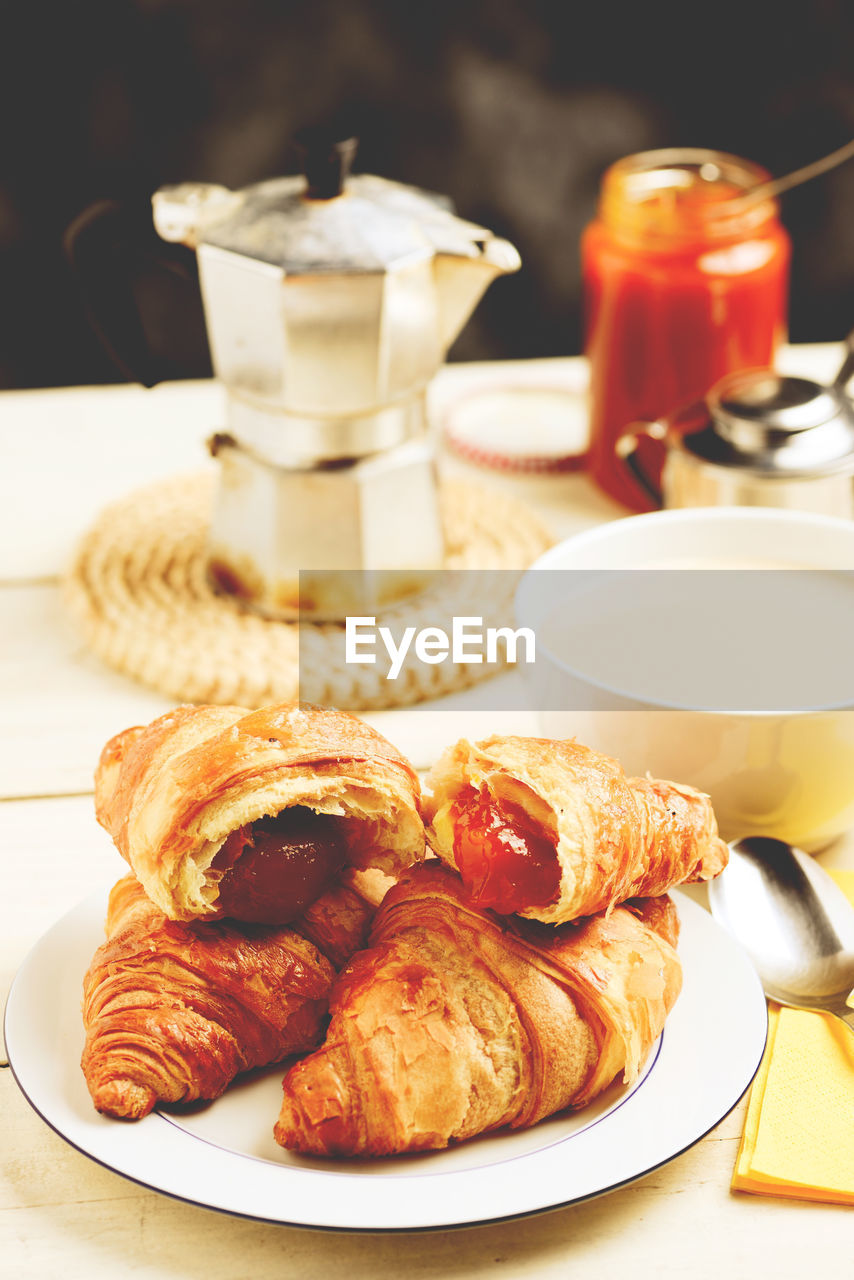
138,592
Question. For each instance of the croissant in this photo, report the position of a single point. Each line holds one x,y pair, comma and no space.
173,1011
454,1022
552,830
339,921
221,812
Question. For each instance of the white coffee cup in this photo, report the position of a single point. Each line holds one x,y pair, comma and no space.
784,769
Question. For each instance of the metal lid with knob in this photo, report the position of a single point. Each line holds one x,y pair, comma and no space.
758,438
773,424
325,220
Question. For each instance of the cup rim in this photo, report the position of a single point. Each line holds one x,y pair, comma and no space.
701,515
715,515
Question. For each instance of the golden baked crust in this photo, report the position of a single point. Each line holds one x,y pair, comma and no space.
455,1022
174,1011
615,837
169,793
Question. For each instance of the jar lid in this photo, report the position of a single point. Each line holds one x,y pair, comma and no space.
520,427
777,425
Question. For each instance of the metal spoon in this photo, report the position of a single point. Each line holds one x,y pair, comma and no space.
776,186
846,370
793,920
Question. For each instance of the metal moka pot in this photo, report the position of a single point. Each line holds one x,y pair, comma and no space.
757,439
330,302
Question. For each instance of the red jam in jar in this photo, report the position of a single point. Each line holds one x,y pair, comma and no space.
683,283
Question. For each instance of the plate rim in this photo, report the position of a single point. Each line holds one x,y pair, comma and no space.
688,908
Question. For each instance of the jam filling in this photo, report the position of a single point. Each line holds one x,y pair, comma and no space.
505,861
276,867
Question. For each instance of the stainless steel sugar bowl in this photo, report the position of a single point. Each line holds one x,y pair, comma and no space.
758,439
330,301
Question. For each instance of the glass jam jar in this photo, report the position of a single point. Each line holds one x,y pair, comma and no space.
683,283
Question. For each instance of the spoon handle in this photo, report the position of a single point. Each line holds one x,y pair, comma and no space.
776,186
846,371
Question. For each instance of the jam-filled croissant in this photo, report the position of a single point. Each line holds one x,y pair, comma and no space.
174,1011
553,830
222,812
454,1022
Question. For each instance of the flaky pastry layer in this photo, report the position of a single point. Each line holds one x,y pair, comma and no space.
169,793
174,1011
455,1022
615,837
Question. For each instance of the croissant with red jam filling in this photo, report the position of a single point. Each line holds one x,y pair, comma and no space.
225,812
553,830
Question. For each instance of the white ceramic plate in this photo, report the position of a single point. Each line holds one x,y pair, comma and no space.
222,1155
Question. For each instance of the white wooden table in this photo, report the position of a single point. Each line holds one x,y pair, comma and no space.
65,454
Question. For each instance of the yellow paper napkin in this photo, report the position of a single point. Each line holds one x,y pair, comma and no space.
798,1138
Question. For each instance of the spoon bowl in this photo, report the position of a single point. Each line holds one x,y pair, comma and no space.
793,920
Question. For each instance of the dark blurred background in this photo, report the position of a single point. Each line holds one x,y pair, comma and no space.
511,107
